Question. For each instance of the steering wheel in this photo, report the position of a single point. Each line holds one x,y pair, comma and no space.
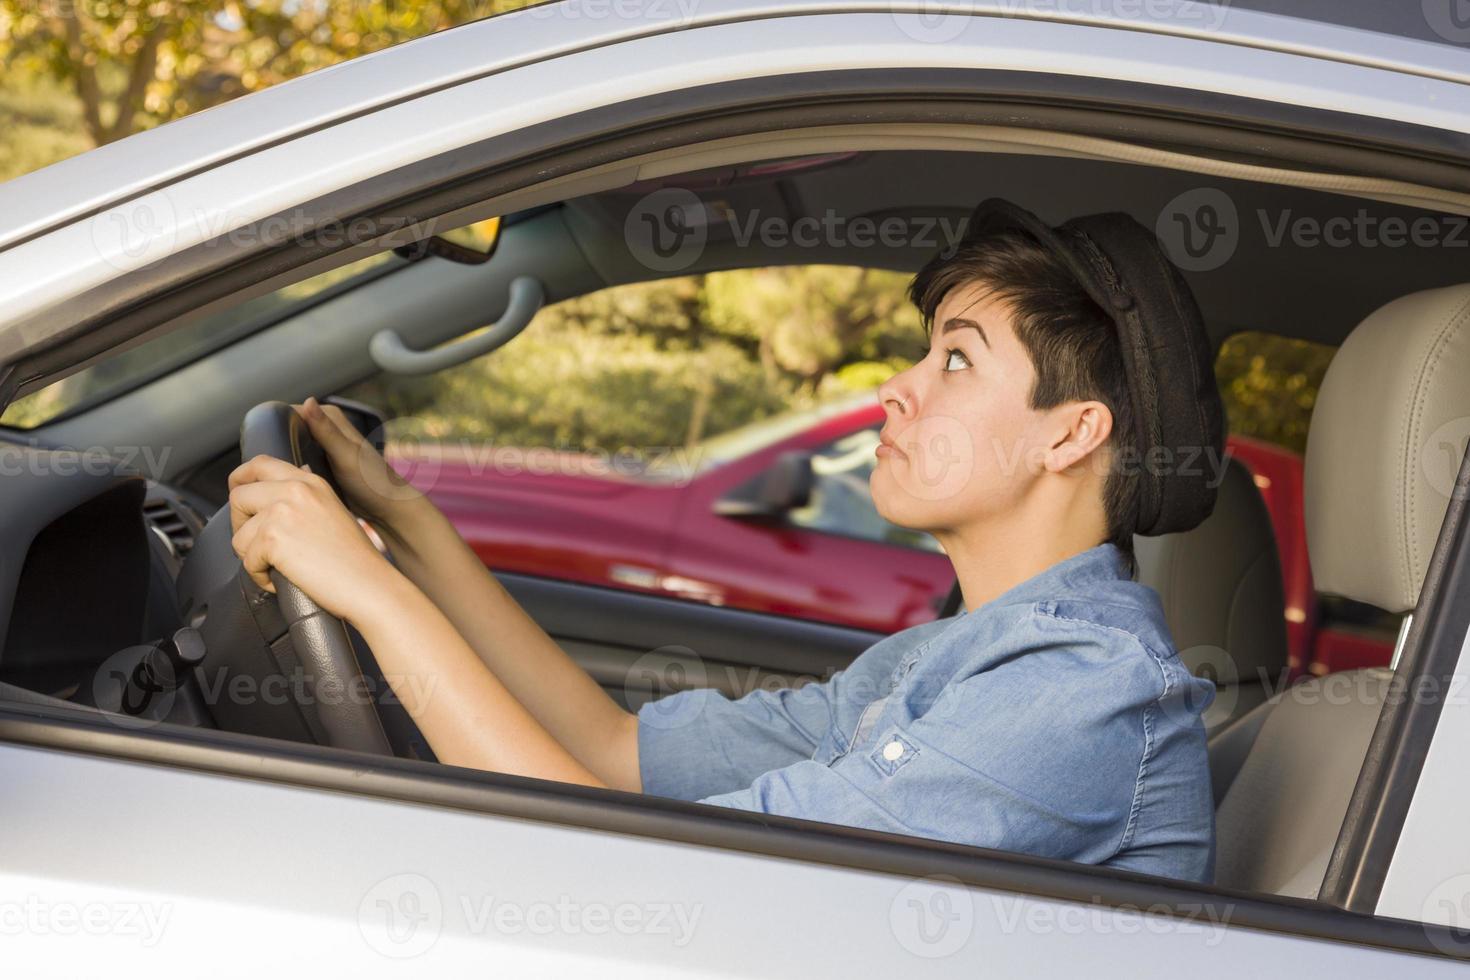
275,664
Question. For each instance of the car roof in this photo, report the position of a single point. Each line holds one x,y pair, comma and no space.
1403,19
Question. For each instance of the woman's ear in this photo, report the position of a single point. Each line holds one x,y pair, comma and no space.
1081,427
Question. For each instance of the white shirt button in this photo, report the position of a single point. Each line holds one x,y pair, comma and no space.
892,751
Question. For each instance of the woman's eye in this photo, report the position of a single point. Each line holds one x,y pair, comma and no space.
950,360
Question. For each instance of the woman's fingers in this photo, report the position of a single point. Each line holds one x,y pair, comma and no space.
247,545
330,427
340,424
264,467
291,485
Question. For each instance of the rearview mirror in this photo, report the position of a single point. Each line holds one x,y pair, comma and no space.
468,245
785,486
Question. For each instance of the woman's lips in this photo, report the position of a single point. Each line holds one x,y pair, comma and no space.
887,447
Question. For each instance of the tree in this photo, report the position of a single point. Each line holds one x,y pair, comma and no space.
809,321
133,64
1269,385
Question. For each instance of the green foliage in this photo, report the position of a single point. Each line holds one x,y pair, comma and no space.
40,123
656,364
809,321
132,64
569,388
666,363
1269,385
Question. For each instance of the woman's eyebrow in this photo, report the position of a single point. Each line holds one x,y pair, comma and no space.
957,323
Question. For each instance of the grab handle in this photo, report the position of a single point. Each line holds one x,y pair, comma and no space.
391,354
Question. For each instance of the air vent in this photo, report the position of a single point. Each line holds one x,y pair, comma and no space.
164,515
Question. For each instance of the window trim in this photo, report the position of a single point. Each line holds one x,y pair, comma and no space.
228,338
1399,747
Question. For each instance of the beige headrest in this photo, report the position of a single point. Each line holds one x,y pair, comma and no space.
1385,443
1220,585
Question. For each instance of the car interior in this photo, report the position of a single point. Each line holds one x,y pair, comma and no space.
142,558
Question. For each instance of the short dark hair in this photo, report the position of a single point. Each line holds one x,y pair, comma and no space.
1072,342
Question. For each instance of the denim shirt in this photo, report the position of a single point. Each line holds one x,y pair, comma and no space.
1055,720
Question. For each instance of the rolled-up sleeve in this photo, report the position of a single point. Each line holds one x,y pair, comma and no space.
968,773
698,742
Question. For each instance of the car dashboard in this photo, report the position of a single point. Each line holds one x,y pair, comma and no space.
89,554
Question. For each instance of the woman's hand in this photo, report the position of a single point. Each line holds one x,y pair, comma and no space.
287,518
369,485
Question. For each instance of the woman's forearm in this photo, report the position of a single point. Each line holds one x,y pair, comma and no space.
567,703
468,716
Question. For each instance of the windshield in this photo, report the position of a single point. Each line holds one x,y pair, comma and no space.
132,368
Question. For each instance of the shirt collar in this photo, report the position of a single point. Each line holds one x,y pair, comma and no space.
1103,562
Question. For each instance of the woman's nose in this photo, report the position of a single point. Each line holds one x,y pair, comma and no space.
896,396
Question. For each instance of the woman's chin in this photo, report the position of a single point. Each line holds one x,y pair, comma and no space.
894,504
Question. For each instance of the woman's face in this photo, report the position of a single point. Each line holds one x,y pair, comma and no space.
960,444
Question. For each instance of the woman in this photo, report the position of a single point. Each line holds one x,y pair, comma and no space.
1067,369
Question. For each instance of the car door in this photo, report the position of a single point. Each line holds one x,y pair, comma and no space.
236,855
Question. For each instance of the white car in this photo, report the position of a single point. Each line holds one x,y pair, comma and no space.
1311,175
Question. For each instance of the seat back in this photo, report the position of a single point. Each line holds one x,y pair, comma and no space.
1376,492
1220,585
1294,763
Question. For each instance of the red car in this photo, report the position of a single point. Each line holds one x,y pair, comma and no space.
1315,642
776,517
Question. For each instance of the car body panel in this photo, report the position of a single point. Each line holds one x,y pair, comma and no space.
550,514
195,870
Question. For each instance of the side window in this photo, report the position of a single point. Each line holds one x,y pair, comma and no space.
840,501
570,452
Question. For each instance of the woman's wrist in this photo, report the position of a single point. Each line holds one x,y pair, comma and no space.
386,603
404,520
